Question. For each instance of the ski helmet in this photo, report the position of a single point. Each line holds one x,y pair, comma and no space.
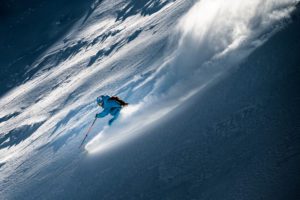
100,100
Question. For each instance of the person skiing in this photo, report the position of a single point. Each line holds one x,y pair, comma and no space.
111,105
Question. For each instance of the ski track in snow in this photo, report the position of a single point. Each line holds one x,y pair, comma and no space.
155,62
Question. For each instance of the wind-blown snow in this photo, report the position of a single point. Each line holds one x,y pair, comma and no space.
155,62
213,37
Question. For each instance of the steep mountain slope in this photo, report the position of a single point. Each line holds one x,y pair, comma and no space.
213,91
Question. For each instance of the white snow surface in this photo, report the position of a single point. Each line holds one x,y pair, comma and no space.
175,53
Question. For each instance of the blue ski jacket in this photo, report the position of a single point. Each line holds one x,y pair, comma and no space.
109,106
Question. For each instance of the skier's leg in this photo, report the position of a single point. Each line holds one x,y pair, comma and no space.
116,115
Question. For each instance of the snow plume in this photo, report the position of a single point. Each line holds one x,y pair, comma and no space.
214,29
211,38
216,35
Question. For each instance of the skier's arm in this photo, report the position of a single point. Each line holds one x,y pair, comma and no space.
103,113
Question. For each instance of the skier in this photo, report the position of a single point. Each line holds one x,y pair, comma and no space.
111,105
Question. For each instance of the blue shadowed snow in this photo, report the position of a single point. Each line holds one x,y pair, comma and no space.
212,88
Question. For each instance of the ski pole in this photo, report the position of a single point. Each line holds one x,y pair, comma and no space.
90,128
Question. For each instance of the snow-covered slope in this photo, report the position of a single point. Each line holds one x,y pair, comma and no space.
158,55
